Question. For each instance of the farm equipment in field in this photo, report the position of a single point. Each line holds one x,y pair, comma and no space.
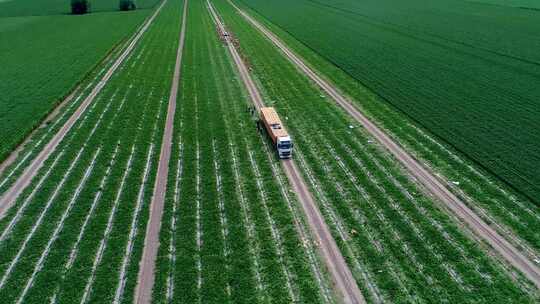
276,131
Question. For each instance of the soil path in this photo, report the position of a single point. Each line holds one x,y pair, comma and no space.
146,277
428,180
345,283
10,196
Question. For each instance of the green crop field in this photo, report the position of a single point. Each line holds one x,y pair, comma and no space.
228,233
466,72
59,7
44,58
500,203
76,235
396,240
521,4
93,210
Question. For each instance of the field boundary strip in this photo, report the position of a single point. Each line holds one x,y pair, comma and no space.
429,181
341,275
10,196
146,276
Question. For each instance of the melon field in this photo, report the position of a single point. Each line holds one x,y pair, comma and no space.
152,178
465,71
46,57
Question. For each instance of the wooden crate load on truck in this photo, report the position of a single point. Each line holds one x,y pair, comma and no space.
277,132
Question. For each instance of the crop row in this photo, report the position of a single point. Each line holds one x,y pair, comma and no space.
81,240
395,239
227,233
492,199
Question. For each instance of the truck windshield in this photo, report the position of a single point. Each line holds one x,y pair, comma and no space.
284,145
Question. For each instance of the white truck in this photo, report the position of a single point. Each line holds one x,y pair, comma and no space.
277,132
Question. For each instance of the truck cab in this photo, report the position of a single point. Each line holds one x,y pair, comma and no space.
284,147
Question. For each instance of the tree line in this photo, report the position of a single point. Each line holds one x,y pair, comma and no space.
80,7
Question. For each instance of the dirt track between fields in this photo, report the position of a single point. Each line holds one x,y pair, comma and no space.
146,277
10,196
428,180
342,277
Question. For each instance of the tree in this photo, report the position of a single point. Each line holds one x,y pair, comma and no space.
127,5
80,7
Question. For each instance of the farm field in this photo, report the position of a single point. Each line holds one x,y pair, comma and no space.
58,7
149,175
443,65
495,201
76,234
396,240
12,167
46,57
522,4
228,231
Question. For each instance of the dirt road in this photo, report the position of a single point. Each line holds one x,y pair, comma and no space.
428,180
146,277
342,278
9,197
